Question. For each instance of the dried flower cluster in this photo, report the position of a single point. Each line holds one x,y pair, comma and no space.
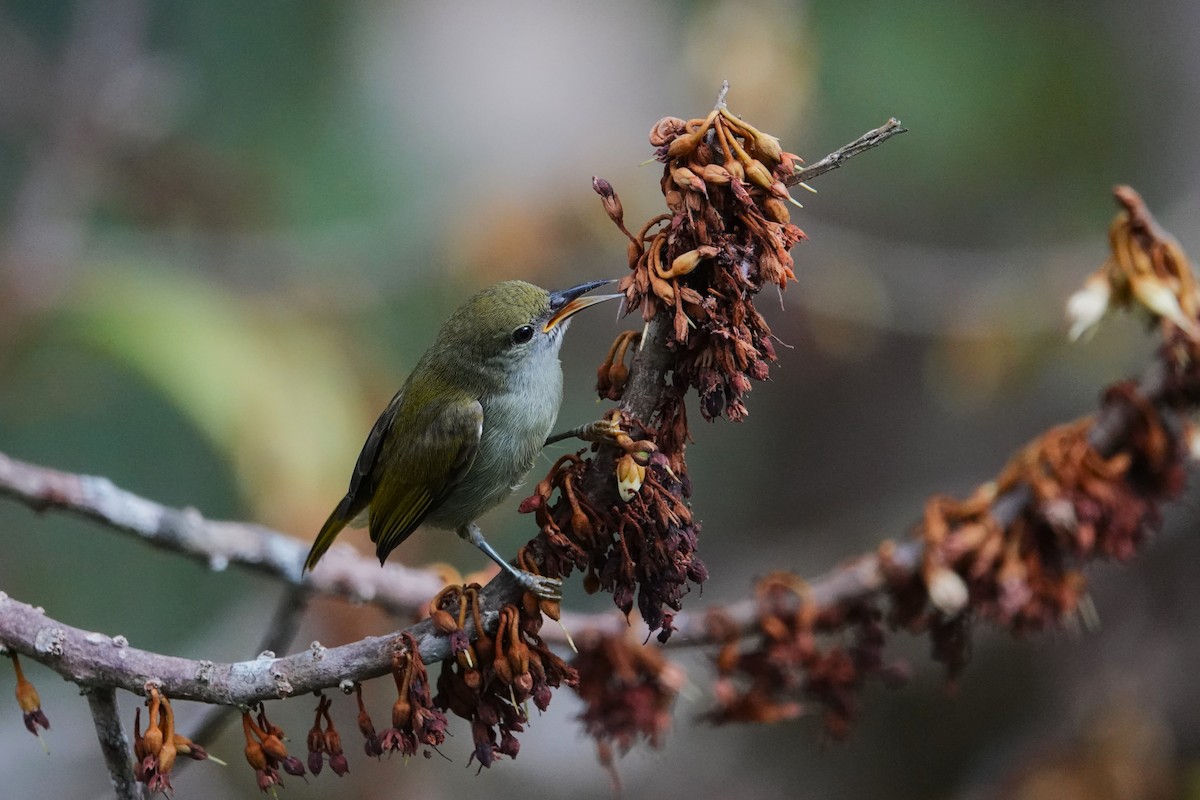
726,236
266,752
325,743
416,723
156,750
1147,267
1027,575
1025,572
642,546
628,691
1014,551
763,679
491,680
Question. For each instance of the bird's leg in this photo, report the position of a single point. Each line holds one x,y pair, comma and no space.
540,585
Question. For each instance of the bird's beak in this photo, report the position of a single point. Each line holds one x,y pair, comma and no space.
567,302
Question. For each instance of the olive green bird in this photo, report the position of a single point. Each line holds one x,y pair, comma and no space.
465,428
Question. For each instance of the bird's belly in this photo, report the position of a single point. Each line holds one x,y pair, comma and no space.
514,428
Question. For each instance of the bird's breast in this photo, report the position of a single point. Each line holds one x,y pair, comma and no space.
516,422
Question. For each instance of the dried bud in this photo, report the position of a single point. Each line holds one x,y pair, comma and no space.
609,199
518,657
603,188
443,622
665,130
152,740
715,175
316,739
684,178
767,145
687,262
662,289
531,504
166,756
503,669
580,523
776,210
735,169
365,726
274,747
509,745
186,747
684,144
255,755
1158,298
758,174
339,764
618,376
591,581
630,475
401,712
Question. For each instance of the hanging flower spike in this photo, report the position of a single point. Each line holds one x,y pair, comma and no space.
316,739
333,745
30,703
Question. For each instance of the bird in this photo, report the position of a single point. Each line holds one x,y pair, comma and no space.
465,428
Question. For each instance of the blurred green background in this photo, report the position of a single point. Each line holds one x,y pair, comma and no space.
228,229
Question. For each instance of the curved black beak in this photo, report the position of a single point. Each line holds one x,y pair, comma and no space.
567,302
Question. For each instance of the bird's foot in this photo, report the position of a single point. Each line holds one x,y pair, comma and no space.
608,430
542,587
605,430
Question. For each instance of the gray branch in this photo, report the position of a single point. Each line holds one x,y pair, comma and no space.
91,659
870,139
342,573
118,756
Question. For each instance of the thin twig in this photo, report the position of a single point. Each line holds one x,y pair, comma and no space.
118,756
870,139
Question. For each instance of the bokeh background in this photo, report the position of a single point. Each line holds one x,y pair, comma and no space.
228,229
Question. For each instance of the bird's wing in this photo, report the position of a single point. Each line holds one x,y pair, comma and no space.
362,485
412,477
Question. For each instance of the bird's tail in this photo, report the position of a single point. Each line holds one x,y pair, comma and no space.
329,531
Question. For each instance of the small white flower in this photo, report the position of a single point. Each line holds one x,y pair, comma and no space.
947,591
1088,306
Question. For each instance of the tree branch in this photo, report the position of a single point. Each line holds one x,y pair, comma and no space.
118,756
870,139
395,588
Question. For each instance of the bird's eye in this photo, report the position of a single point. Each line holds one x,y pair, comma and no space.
522,334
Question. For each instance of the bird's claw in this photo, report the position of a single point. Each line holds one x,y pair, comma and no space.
543,587
601,430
